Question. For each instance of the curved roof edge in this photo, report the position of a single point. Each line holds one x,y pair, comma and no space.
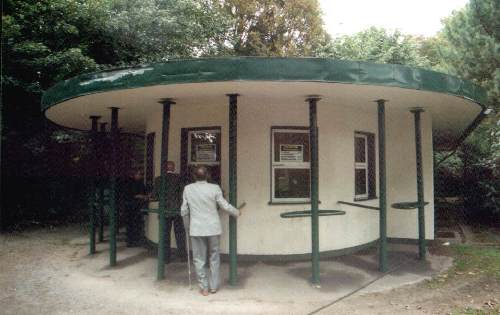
263,69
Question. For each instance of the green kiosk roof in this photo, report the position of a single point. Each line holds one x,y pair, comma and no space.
263,69
395,78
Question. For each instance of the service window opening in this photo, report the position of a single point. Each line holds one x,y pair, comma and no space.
290,165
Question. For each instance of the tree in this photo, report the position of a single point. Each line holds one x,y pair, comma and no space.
47,41
155,30
51,40
469,48
473,45
273,27
430,48
376,45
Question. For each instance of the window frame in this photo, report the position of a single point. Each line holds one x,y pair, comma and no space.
371,166
287,165
362,166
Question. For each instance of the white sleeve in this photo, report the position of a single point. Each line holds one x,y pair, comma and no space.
224,205
185,206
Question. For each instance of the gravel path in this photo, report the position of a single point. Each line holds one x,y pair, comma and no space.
48,272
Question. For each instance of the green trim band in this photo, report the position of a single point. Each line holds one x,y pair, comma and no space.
302,257
357,205
408,205
280,203
263,69
307,213
152,247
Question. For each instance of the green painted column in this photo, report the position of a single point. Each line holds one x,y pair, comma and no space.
102,182
233,186
113,211
166,102
93,183
313,139
382,262
100,216
420,183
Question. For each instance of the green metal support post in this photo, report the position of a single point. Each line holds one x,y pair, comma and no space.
102,185
233,187
382,263
420,183
166,102
313,139
93,184
113,211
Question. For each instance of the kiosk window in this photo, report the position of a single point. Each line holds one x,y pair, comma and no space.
364,166
290,165
202,147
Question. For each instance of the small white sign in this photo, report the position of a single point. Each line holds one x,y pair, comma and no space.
291,153
206,153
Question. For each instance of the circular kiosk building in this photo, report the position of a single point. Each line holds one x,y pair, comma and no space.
329,156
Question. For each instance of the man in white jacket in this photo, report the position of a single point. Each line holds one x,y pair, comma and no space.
201,218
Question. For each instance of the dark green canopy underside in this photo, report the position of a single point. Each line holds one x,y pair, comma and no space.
262,69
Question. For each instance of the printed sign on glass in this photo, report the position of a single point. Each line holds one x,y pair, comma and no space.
291,153
206,153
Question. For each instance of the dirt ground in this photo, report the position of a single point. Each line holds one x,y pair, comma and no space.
46,271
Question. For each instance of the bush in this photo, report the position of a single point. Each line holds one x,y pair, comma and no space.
474,174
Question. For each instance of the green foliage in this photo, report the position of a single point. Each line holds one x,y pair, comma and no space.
469,47
483,146
44,42
475,170
273,27
431,48
377,45
481,157
50,40
473,49
153,30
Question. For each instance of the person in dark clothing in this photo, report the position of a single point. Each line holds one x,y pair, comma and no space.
173,201
135,198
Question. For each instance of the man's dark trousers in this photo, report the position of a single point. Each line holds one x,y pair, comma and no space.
180,237
173,203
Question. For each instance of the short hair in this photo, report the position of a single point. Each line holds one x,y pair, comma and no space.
200,173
